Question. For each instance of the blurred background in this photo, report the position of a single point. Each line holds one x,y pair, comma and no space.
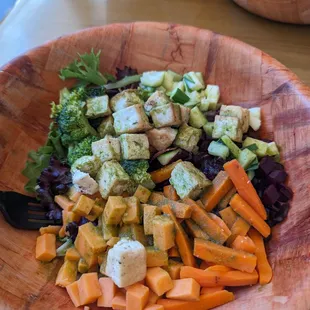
29,23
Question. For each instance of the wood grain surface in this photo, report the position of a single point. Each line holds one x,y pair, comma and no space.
247,77
286,11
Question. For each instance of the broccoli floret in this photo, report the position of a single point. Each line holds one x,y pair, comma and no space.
70,116
137,170
80,149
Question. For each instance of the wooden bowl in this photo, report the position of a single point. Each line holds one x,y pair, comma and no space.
246,76
286,11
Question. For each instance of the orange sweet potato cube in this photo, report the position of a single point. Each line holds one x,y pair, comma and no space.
158,280
89,288
108,290
73,291
46,247
137,296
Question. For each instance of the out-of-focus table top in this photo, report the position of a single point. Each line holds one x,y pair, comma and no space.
32,22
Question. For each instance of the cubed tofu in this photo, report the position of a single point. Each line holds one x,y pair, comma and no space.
113,180
126,263
188,137
135,146
227,125
87,164
125,99
131,120
114,210
235,111
185,112
98,107
132,213
149,212
188,181
161,138
106,127
156,99
166,115
107,148
84,183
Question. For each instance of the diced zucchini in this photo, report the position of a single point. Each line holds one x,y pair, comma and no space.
213,93
176,77
192,81
179,85
234,149
165,158
255,118
262,146
212,105
161,88
272,149
179,96
246,157
153,78
208,128
251,174
168,80
196,118
194,98
218,149
200,78
204,105
255,112
190,104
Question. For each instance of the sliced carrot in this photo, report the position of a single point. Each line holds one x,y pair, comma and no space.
184,289
200,204
195,231
204,265
219,268
50,229
222,255
209,290
229,216
137,296
173,252
220,222
240,228
216,278
64,202
163,173
108,290
245,187
225,200
263,266
202,218
220,187
171,193
244,243
180,210
207,301
241,207
181,239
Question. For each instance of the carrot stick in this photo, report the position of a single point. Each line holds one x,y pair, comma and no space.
180,210
219,268
173,252
204,265
220,222
241,207
195,231
229,216
207,301
216,278
240,227
163,173
181,239
263,266
244,243
202,218
171,193
225,200
209,290
220,187
222,255
244,187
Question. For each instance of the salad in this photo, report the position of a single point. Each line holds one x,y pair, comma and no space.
162,196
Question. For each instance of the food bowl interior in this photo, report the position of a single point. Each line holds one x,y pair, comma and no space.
246,76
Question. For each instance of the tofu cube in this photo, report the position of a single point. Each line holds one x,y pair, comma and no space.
126,263
156,99
113,180
188,137
188,181
114,210
166,115
108,148
106,127
235,111
98,107
84,183
163,232
135,146
227,125
185,112
149,213
125,99
161,138
213,93
131,120
83,205
87,164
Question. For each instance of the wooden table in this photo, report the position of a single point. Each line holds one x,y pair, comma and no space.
33,22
